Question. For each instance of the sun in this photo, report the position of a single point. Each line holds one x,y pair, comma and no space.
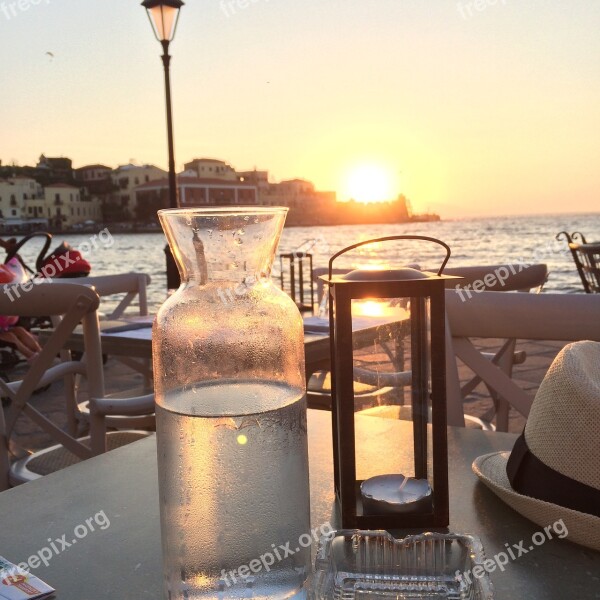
369,183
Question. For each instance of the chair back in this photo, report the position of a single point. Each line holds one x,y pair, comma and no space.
70,305
587,261
499,278
131,284
564,317
299,284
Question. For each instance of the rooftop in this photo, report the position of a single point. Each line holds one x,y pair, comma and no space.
87,167
212,160
192,182
131,166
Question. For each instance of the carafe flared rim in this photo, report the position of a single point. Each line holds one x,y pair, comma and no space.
224,210
223,243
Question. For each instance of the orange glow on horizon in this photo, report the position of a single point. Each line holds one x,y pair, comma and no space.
369,183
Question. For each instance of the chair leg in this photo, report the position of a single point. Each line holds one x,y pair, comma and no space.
493,376
4,459
455,410
504,361
97,433
71,383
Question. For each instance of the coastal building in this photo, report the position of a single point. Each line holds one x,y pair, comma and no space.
96,182
21,203
128,177
66,206
54,170
307,205
92,173
193,191
211,168
260,179
131,194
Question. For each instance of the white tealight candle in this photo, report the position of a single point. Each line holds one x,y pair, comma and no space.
386,494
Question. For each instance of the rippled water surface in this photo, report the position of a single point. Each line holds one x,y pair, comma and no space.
473,242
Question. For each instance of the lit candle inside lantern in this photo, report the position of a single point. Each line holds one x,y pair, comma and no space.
386,494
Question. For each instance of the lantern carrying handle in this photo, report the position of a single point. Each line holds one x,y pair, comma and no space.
391,238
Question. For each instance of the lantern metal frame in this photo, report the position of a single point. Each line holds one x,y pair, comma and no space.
347,487
151,4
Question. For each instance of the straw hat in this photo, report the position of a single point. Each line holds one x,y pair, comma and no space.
553,472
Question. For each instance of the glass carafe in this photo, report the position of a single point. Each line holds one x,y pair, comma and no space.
229,380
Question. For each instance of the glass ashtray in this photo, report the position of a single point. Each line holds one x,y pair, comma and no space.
362,565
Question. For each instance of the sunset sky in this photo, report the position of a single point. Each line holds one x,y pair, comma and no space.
469,112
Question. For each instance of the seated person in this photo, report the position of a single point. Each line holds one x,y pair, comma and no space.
22,340
18,337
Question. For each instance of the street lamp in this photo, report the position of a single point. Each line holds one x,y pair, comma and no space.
164,16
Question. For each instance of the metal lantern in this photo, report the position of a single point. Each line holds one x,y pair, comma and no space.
163,15
410,318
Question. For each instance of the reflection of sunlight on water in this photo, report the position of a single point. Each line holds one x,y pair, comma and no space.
377,266
378,308
370,308
469,239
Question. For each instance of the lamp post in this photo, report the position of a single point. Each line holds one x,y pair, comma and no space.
164,16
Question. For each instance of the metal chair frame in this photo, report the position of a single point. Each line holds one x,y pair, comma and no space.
586,257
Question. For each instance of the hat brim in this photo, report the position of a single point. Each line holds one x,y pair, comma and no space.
582,528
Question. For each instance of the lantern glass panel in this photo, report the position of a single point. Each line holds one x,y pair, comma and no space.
391,350
164,21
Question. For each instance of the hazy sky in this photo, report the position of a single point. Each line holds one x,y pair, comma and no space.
490,111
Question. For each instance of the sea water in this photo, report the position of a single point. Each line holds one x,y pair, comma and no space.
233,478
474,241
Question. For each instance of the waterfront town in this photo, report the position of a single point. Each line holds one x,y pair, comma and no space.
55,196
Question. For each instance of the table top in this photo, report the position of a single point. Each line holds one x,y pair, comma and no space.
137,342
120,488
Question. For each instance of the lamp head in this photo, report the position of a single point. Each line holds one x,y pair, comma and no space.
163,15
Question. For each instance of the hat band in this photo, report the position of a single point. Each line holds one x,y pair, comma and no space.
529,476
